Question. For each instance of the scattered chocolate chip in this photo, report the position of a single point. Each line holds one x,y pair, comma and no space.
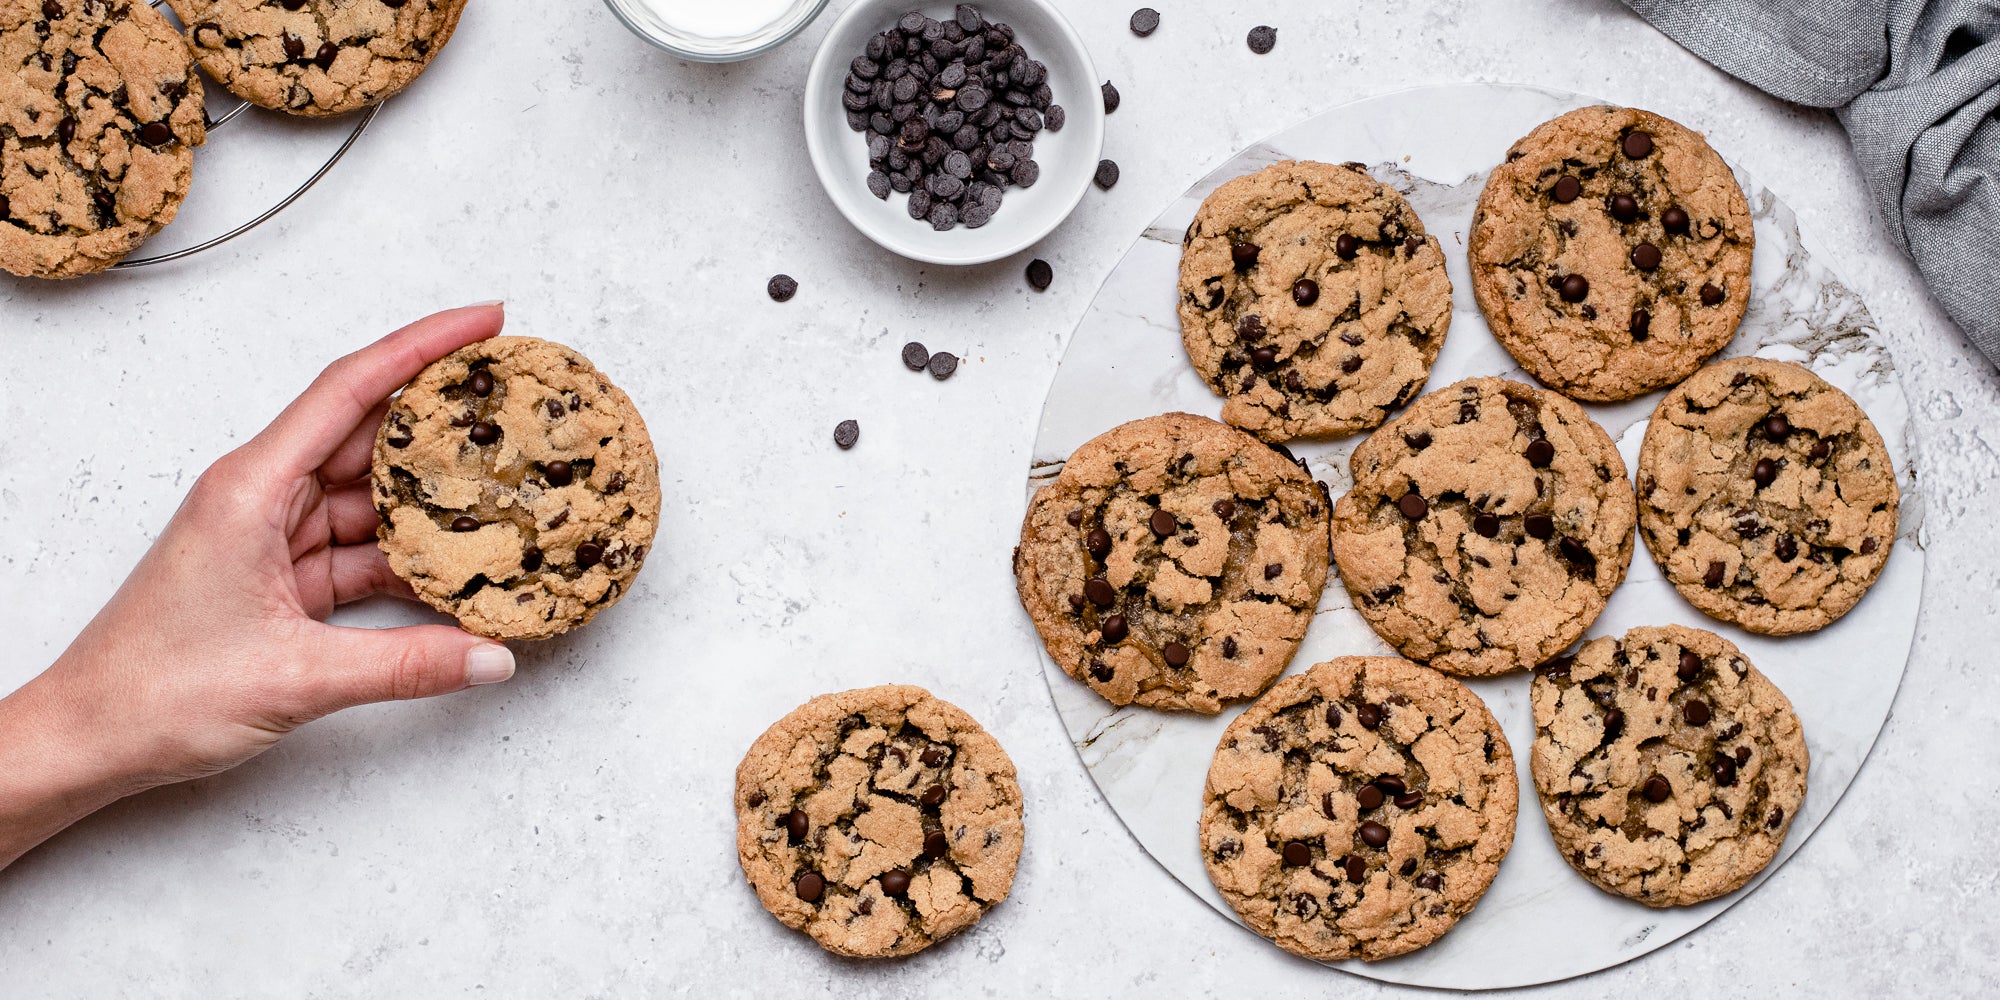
1657,789
1305,292
1369,797
1113,630
1357,869
942,365
1175,654
463,524
797,826
1711,295
1641,324
589,554
936,845
1638,144
1646,257
1368,715
1100,591
781,287
810,887
558,473
156,134
1695,712
846,433
483,433
1675,221
1539,526
1566,189
1262,39
1107,174
896,883
1540,453
1765,472
1346,246
1375,835
1244,255
327,53
1111,98
933,795
1486,524
1297,855
1574,288
1777,428
1413,506
1040,274
1145,21
915,357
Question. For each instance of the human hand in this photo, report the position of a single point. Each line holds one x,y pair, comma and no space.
216,646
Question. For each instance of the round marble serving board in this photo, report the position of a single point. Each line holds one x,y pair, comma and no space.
1540,921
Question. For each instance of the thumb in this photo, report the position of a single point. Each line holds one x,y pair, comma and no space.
358,666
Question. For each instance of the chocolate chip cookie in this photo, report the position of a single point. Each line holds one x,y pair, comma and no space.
879,821
1359,809
517,488
1611,252
1312,300
1766,496
1668,767
317,57
1486,528
100,109
1174,563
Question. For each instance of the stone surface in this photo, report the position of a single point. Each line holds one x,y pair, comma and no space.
570,832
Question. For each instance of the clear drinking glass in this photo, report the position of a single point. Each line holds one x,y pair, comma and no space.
648,23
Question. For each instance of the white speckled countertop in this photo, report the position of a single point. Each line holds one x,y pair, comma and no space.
569,833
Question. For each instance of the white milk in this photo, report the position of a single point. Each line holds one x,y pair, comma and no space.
718,18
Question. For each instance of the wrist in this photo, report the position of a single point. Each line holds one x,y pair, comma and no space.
56,767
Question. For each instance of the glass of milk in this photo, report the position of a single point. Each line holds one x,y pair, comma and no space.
716,30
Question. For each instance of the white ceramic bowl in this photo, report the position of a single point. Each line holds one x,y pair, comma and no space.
721,48
1068,158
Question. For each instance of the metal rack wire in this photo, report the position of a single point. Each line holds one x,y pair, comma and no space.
217,123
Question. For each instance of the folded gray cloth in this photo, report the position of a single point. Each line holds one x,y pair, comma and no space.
1918,87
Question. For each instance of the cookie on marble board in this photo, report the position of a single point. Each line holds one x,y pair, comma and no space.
1668,767
1311,299
517,488
317,57
1611,253
1766,496
1487,526
879,821
100,111
1174,563
1359,809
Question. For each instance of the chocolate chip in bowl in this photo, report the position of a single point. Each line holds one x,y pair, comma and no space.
953,134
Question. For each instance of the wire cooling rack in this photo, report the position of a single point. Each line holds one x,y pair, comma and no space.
214,124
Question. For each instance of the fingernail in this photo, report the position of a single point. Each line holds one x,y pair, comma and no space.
490,663
488,302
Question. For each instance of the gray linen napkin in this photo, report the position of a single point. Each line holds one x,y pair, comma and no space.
1918,87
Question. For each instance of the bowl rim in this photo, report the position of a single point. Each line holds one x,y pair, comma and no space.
804,11
824,69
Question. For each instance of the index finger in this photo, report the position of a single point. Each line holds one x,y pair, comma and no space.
312,428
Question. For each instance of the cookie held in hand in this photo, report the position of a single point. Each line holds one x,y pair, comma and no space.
517,488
